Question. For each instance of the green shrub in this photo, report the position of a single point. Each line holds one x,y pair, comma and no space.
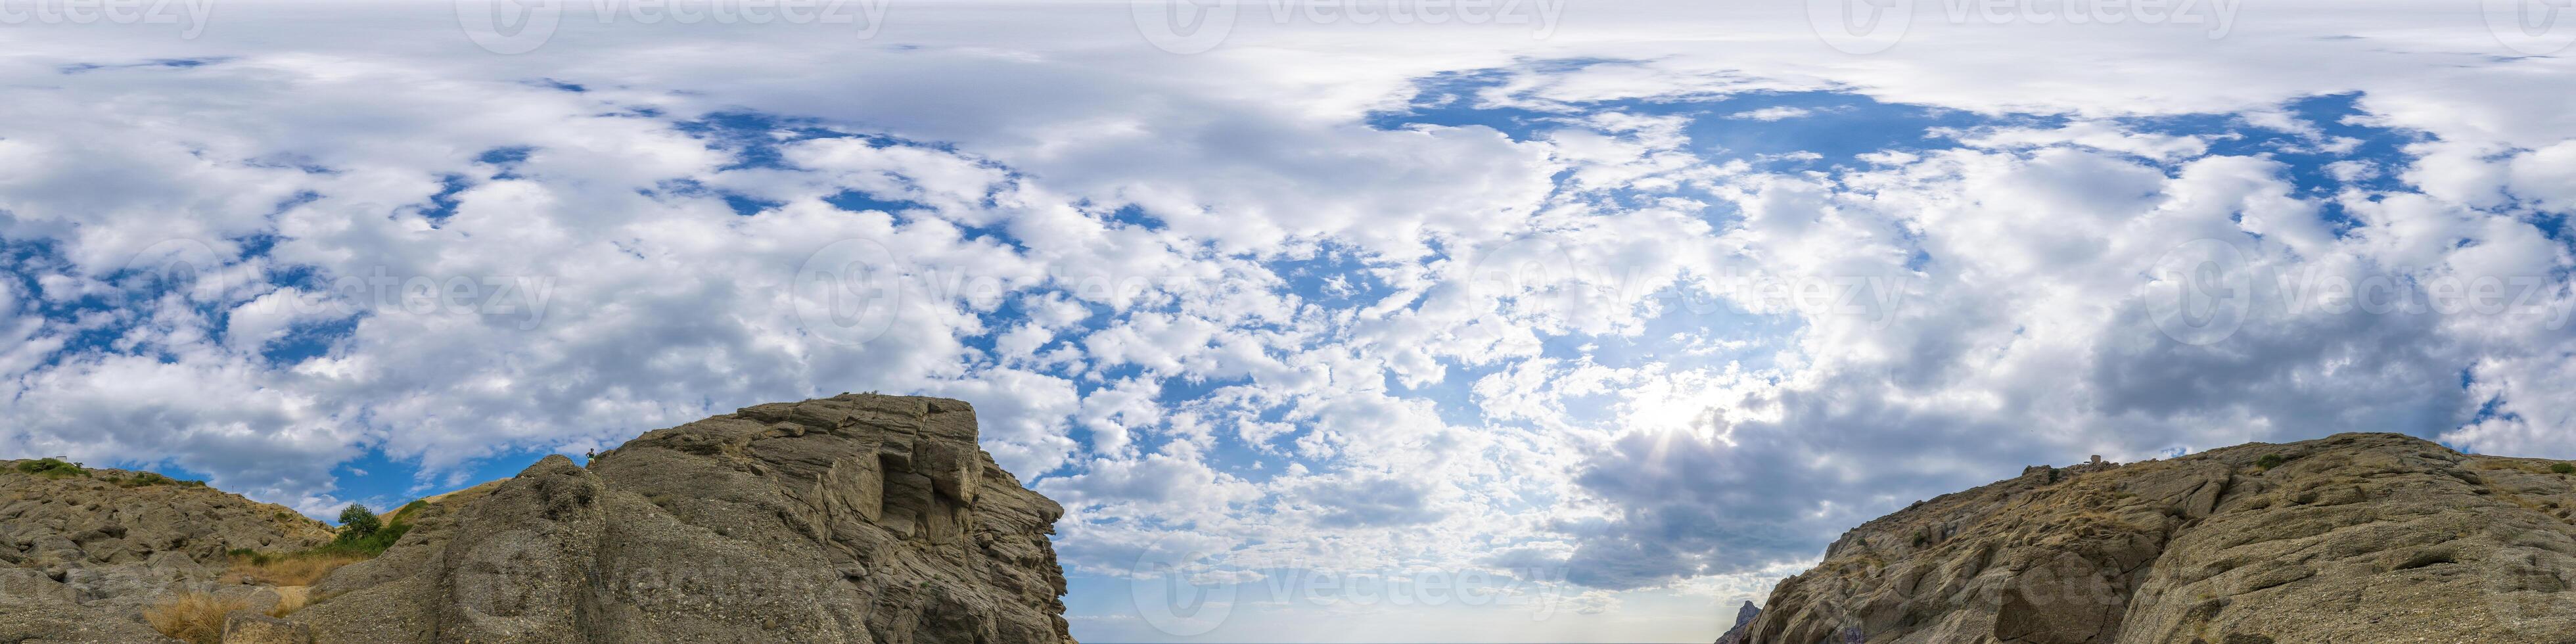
350,546
363,534
2269,461
358,523
52,468
145,479
312,563
370,545
2563,468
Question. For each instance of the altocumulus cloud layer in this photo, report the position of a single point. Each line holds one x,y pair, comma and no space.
1641,309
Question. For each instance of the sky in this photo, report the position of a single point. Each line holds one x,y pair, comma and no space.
1335,321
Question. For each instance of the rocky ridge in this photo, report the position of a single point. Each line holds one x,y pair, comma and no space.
86,549
2352,538
857,518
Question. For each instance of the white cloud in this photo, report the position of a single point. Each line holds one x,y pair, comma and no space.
1232,302
1772,113
2091,134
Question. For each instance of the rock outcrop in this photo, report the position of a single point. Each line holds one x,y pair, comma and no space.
83,551
2353,538
1743,624
858,518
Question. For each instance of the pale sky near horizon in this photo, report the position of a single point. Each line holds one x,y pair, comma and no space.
1522,321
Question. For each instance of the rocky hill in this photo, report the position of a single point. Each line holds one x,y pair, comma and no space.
2353,538
87,549
858,518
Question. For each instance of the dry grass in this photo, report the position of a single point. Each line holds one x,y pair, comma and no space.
197,618
301,569
290,599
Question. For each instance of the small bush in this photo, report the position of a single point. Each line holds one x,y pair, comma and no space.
2563,468
358,523
145,479
52,468
2269,461
367,546
358,541
196,618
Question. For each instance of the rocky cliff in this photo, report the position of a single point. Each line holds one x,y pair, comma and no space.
2353,538
858,518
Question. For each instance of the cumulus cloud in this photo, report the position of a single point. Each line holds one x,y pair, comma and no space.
1632,308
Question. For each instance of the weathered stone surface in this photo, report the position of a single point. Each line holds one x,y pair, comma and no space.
246,627
859,518
48,621
82,556
93,522
2353,538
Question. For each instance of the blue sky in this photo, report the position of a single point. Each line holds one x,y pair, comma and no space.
1331,332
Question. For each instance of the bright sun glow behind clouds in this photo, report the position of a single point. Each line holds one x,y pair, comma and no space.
1612,319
